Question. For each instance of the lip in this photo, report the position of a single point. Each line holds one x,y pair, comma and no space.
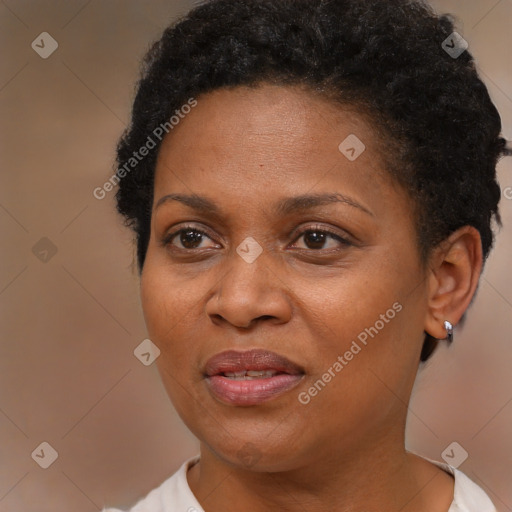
258,389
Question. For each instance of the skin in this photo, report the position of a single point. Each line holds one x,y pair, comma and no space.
246,149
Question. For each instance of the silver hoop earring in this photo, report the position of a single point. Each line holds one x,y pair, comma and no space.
449,331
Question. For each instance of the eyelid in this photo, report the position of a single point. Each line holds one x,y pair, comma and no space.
168,237
345,239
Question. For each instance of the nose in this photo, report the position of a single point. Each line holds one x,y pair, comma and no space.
249,293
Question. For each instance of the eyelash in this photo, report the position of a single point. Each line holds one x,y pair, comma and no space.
310,229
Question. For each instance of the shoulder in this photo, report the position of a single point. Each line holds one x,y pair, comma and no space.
173,495
467,495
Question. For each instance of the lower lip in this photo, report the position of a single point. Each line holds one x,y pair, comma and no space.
251,392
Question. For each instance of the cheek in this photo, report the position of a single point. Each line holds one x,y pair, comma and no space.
167,303
370,319
158,305
355,304
167,306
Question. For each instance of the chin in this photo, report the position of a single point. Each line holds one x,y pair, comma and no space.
255,452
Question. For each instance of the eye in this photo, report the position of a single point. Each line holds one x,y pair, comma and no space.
189,238
186,238
315,238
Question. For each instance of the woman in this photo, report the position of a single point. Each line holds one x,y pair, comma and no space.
312,185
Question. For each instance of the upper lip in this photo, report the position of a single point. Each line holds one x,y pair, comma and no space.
257,359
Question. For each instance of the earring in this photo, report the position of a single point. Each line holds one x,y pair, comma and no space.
449,331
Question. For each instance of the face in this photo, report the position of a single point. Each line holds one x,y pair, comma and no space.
276,252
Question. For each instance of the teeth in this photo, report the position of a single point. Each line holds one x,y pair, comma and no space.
250,374
264,373
235,375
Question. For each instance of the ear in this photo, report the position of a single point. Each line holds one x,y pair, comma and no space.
455,267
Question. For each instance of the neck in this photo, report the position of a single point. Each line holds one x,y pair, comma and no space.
375,476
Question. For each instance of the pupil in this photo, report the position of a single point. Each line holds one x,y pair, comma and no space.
318,240
189,238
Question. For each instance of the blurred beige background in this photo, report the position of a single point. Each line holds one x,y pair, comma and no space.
69,305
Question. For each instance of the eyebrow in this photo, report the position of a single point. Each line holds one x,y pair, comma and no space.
284,207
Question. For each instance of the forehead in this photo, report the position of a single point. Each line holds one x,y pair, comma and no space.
259,140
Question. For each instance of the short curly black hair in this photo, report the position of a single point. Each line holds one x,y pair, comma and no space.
389,59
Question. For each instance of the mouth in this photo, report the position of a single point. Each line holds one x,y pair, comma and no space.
251,377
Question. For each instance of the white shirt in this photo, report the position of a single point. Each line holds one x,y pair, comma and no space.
174,495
